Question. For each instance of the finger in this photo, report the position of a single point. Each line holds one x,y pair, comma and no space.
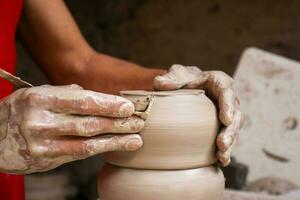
80,148
180,77
176,78
82,102
87,126
165,83
224,157
228,134
226,106
216,82
195,78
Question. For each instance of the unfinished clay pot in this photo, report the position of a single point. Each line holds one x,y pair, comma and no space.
179,133
116,183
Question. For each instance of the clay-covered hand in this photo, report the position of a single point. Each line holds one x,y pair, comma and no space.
218,86
46,126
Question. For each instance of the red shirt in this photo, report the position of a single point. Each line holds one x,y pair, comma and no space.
11,186
10,11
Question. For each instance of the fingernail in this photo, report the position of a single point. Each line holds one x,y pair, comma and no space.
133,144
227,118
227,140
126,109
137,125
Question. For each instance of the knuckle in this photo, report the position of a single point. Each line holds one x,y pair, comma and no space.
193,69
221,143
75,86
27,126
221,137
30,91
222,76
176,67
31,98
33,127
36,150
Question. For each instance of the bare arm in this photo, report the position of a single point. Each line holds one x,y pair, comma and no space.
53,39
55,42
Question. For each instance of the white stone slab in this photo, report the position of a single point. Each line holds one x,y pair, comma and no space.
242,195
268,88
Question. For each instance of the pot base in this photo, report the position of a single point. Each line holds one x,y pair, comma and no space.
117,183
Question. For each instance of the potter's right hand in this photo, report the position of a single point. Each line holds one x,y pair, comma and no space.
44,127
218,86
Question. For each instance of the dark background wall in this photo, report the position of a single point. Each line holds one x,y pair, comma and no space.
210,34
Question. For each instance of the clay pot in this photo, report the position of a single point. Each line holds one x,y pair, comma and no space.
116,183
179,133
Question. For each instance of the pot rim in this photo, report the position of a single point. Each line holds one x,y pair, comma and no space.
162,93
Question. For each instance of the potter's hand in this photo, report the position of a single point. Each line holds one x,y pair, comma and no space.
44,127
218,86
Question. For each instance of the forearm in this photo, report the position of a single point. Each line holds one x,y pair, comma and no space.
53,39
110,75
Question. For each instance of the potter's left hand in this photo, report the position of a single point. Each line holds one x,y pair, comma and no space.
218,85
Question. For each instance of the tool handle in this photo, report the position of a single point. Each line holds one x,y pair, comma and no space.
16,81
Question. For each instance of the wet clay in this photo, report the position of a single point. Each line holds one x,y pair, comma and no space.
116,183
180,131
178,154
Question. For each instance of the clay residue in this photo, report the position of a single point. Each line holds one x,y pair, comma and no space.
290,123
246,91
275,156
142,104
145,113
272,185
271,71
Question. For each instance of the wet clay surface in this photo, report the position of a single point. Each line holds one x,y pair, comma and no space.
180,132
116,183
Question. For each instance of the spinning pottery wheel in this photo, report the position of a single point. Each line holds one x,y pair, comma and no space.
178,155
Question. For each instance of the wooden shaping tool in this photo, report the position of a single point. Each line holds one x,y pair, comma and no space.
16,81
